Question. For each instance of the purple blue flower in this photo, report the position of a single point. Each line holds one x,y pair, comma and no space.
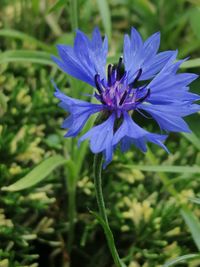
143,81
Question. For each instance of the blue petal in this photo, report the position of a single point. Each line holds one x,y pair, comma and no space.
130,133
156,64
71,65
169,117
170,82
85,59
169,64
79,116
101,138
151,46
80,111
132,50
175,96
136,40
177,109
139,54
127,52
99,46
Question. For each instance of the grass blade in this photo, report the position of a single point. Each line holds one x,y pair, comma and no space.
164,168
38,174
188,216
105,15
193,224
24,37
181,259
74,15
194,200
57,6
26,56
192,63
193,139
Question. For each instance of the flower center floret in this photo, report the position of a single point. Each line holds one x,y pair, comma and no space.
117,94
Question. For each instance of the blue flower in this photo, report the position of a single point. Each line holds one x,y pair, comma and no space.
143,81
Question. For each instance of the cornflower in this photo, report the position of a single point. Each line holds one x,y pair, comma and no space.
143,81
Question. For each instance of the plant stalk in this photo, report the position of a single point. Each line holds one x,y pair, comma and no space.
74,14
98,160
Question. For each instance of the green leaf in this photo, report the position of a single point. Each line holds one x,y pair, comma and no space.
74,14
38,174
195,21
193,224
58,5
105,15
164,168
24,37
190,219
36,6
193,63
194,200
193,139
181,259
26,56
3,104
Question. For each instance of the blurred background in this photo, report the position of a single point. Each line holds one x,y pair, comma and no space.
152,200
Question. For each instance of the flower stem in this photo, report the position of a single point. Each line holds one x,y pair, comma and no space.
98,160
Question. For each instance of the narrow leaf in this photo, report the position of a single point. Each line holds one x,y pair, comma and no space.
195,21
74,14
193,224
26,56
3,104
181,259
193,139
105,15
38,174
57,5
193,63
164,168
194,200
24,37
190,218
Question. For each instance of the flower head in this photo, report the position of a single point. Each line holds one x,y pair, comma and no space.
143,81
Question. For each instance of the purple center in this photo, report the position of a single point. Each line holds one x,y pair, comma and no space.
116,93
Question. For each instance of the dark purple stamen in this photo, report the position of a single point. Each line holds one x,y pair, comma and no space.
144,97
100,98
119,69
110,66
113,72
97,83
123,98
136,78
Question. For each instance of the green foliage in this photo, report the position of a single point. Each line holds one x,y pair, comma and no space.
106,16
26,56
184,258
193,224
152,202
37,175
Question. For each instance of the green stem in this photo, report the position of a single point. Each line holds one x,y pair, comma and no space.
98,160
71,216
71,175
74,14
